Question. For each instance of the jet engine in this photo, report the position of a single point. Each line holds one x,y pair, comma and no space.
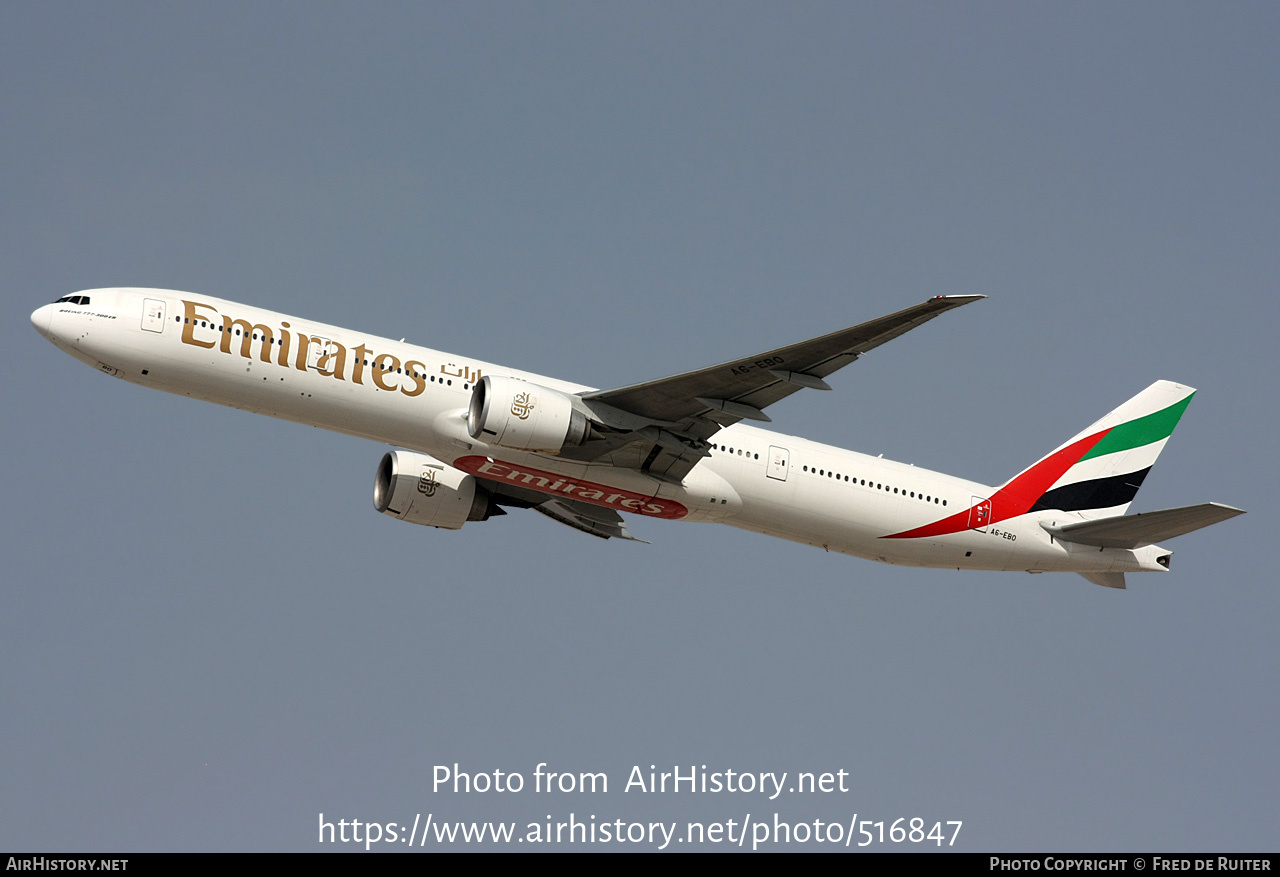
522,416
422,490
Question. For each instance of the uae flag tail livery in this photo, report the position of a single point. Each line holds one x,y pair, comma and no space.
472,438
1096,475
1099,471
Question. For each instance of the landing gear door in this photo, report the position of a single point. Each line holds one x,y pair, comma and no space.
779,461
980,514
153,315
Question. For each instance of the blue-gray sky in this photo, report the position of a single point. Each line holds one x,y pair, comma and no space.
209,636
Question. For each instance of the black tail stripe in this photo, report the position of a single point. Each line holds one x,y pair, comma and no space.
1100,493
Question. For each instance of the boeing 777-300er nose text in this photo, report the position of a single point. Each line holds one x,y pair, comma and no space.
473,438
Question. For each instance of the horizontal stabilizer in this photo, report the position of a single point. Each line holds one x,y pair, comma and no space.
1148,528
1106,579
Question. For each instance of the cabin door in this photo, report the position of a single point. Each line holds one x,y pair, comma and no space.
980,514
153,315
779,460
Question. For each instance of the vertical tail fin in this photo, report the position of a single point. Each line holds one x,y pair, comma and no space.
1099,470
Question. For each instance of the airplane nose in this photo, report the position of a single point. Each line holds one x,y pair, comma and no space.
41,317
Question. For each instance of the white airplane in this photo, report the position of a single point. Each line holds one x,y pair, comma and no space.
472,437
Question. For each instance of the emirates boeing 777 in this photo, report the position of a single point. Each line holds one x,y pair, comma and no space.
472,438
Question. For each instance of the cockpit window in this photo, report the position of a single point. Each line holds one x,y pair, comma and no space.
73,300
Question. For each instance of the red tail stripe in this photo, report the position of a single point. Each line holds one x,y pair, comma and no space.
1019,495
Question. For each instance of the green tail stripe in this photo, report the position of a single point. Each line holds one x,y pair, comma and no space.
1143,431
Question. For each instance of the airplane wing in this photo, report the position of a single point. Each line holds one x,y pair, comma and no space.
595,520
672,418
602,522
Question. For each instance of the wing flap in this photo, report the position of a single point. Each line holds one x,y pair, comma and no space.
601,522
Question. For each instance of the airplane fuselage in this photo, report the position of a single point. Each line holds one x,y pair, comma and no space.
417,398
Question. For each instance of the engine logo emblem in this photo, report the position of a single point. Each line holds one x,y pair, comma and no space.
427,483
522,405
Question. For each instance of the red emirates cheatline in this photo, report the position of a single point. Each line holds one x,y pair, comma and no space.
573,488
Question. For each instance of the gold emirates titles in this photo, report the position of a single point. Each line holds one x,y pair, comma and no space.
332,359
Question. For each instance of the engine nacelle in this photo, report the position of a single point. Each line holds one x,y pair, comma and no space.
525,417
422,490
